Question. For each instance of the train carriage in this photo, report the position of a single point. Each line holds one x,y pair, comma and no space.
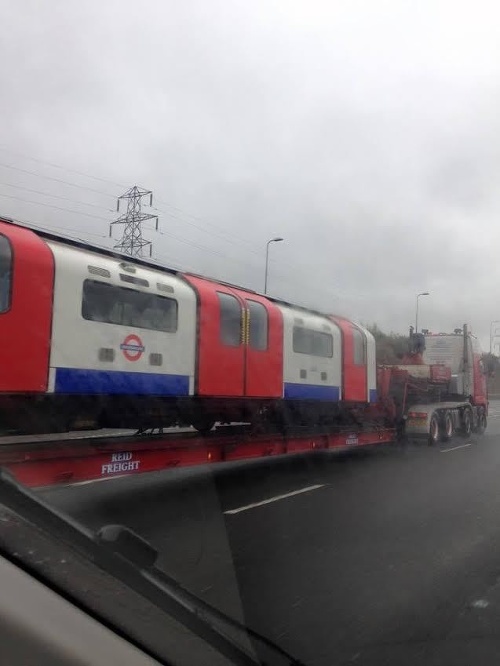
120,330
312,351
93,338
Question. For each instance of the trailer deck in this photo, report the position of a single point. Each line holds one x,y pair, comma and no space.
71,458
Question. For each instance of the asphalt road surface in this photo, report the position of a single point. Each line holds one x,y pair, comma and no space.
388,556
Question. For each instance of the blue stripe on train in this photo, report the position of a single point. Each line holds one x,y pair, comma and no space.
373,395
311,392
88,382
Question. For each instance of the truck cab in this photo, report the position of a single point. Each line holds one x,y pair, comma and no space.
461,352
439,389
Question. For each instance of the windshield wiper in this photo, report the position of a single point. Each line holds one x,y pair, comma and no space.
130,559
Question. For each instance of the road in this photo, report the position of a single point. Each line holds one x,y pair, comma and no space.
389,556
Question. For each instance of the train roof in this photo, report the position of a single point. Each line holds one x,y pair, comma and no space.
148,263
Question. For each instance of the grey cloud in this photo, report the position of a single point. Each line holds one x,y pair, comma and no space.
364,133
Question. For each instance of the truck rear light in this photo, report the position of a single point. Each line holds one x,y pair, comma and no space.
417,415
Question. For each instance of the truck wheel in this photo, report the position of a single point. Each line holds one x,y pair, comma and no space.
202,423
482,422
466,423
447,427
433,430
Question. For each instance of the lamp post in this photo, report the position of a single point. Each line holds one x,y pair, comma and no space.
423,293
273,240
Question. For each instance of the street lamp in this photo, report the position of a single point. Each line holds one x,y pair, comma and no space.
424,293
273,240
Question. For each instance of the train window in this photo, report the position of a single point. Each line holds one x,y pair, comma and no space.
5,273
110,304
230,320
258,325
314,343
359,347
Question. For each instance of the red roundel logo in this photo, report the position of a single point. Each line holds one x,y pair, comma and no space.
132,347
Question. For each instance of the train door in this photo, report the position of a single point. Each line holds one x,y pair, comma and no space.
354,361
239,342
221,350
371,366
263,334
355,378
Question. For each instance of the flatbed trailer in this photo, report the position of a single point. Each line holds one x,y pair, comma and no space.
415,400
47,462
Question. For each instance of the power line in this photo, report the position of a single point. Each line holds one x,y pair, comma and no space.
50,228
132,241
180,239
204,248
171,263
112,182
47,205
59,166
53,196
57,180
222,233
238,239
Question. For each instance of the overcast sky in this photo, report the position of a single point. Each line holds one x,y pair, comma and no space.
366,133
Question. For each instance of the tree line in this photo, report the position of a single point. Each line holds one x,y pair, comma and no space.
390,346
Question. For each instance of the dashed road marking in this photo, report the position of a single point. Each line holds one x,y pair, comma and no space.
74,484
276,498
480,603
454,448
99,479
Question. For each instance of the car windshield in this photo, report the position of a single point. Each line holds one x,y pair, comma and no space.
249,360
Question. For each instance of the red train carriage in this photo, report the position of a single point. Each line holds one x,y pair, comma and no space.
201,352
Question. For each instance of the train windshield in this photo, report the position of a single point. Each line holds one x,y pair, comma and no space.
5,273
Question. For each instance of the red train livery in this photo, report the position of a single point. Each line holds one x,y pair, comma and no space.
91,338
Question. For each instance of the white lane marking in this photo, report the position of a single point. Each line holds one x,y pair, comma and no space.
480,603
57,486
462,446
276,498
101,478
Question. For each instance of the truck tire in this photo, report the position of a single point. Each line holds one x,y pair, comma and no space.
202,423
482,422
448,429
433,430
466,428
